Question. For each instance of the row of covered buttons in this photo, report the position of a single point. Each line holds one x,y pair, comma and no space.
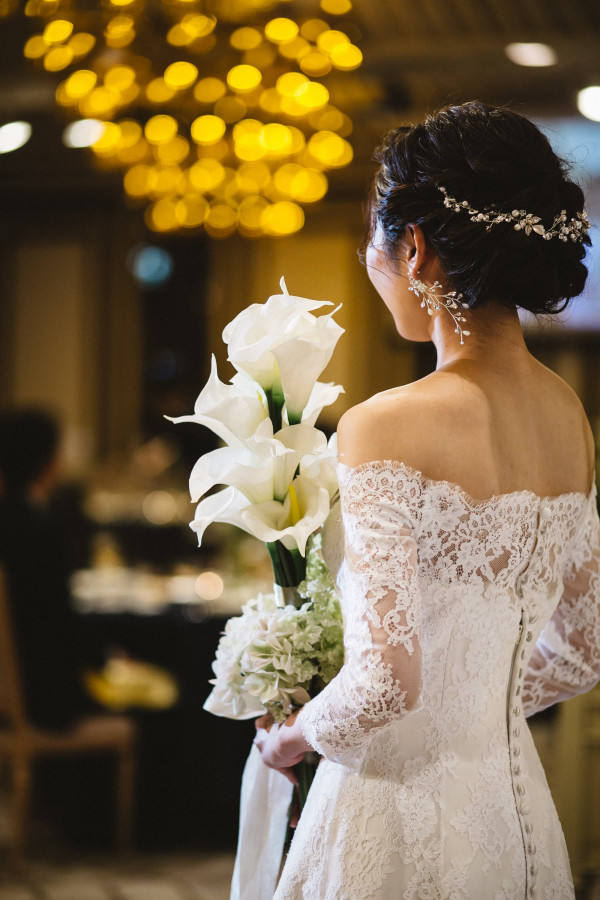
520,790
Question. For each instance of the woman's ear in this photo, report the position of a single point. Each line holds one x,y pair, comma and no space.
416,248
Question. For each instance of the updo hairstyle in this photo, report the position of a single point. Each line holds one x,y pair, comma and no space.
490,157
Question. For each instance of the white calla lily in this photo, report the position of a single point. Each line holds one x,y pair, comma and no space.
292,521
283,346
224,506
322,395
264,467
232,411
323,467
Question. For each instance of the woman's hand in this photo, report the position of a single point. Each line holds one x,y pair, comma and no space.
281,746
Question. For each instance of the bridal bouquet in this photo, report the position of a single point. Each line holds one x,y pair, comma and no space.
274,658
278,473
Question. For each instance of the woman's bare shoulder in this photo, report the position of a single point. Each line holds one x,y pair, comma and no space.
394,424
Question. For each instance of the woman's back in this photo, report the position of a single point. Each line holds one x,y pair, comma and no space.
493,427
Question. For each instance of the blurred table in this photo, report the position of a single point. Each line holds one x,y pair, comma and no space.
191,762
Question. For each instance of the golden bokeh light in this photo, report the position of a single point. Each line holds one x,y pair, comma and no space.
298,48
281,30
244,78
131,133
276,139
330,149
250,213
219,150
99,102
173,151
120,31
282,218
209,90
289,84
80,83
336,7
346,57
221,220
35,47
312,28
206,175
162,215
58,31
207,129
58,58
166,179
119,78
253,177
108,140
138,181
270,101
160,129
315,64
180,75
158,91
262,57
331,119
233,130
328,40
312,95
299,183
81,43
246,38
192,210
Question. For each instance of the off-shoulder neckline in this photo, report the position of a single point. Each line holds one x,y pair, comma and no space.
396,464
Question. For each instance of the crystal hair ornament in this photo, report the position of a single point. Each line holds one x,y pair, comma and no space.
431,300
575,228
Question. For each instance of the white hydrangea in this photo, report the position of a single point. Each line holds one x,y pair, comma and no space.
274,659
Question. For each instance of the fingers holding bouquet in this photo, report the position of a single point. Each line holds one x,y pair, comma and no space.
281,746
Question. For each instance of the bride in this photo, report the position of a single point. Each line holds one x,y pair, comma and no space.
470,582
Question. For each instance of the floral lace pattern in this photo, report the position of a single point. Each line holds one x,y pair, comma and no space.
431,786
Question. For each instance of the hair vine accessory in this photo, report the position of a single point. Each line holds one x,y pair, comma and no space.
575,228
431,300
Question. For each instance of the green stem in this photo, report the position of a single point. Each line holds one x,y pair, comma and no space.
289,566
275,401
305,772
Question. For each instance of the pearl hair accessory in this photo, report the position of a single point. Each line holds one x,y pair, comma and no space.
575,228
451,302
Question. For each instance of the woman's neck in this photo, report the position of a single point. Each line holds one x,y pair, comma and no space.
495,340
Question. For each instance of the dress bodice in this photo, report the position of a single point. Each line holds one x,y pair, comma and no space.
461,618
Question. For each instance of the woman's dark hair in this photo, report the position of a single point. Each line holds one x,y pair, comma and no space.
490,157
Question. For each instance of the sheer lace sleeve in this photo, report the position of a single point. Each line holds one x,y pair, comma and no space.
381,678
566,658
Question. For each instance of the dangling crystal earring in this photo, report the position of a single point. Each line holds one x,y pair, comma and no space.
451,302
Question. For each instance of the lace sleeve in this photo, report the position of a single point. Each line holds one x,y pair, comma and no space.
566,658
381,677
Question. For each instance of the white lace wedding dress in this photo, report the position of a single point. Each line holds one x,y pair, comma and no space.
491,609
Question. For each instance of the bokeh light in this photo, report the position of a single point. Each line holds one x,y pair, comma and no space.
14,135
234,128
83,133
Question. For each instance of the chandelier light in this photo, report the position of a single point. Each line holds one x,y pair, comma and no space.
219,113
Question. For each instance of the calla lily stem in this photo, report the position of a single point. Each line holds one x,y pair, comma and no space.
289,566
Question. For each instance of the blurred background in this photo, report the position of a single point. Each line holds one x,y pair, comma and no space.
163,163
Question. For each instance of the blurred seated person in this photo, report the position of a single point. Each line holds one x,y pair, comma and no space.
64,676
35,557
